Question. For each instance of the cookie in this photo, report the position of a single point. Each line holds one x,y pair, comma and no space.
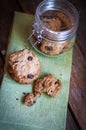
29,99
24,66
65,21
48,84
52,48
53,24
56,20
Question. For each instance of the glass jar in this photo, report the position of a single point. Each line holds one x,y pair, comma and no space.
55,27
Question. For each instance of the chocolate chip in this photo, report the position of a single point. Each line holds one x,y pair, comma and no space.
48,16
43,16
49,48
30,102
30,58
30,76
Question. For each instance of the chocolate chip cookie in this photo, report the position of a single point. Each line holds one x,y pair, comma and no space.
56,20
24,66
52,48
65,21
48,84
52,23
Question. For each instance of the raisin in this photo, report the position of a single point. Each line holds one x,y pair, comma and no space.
30,76
43,16
50,17
30,102
30,58
49,48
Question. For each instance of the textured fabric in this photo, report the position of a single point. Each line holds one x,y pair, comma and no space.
48,113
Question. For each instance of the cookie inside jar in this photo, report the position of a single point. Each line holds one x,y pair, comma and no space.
55,21
56,24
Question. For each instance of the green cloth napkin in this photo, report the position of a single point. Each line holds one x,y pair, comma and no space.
48,113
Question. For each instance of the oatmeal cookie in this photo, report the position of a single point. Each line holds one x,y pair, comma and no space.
48,84
52,48
24,66
51,23
65,21
56,20
29,99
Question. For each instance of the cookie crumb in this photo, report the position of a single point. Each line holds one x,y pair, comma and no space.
24,93
13,107
29,99
17,98
48,84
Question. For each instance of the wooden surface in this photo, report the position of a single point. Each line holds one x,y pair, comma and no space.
76,115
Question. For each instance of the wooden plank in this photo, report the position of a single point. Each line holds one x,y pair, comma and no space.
81,32
6,17
71,124
77,98
29,6
1,70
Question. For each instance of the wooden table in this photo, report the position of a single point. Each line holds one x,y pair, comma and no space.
76,115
